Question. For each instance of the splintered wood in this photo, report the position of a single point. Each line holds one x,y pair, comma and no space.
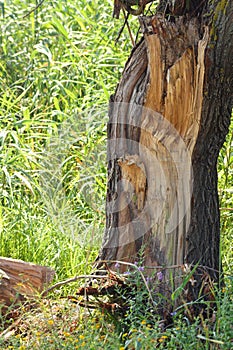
134,176
175,92
21,280
154,122
176,74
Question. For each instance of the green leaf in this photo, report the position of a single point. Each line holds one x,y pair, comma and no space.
24,181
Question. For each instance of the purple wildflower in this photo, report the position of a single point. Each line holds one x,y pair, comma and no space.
173,313
148,279
160,275
140,268
117,265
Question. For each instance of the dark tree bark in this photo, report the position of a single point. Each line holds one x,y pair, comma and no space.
168,120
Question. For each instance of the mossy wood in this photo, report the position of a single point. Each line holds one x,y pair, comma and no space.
168,120
21,280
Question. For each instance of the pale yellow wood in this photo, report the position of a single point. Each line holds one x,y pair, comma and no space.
169,130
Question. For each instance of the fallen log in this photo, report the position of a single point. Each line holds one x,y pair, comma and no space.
20,281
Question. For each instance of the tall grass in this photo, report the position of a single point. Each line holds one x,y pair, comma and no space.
55,69
225,177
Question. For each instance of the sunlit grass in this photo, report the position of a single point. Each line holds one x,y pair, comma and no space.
55,69
225,177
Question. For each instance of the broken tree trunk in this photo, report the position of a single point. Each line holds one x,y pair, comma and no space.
167,122
21,280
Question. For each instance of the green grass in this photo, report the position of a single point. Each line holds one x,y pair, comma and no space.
225,176
55,69
58,68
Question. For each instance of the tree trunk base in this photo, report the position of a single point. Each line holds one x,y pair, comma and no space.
152,288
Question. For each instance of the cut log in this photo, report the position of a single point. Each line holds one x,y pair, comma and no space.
20,280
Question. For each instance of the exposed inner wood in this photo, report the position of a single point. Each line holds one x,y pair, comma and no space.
169,136
134,174
154,122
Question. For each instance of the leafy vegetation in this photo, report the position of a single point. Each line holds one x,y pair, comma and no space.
55,69
59,65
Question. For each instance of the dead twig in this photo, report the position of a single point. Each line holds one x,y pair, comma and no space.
9,331
126,16
136,268
70,280
34,9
